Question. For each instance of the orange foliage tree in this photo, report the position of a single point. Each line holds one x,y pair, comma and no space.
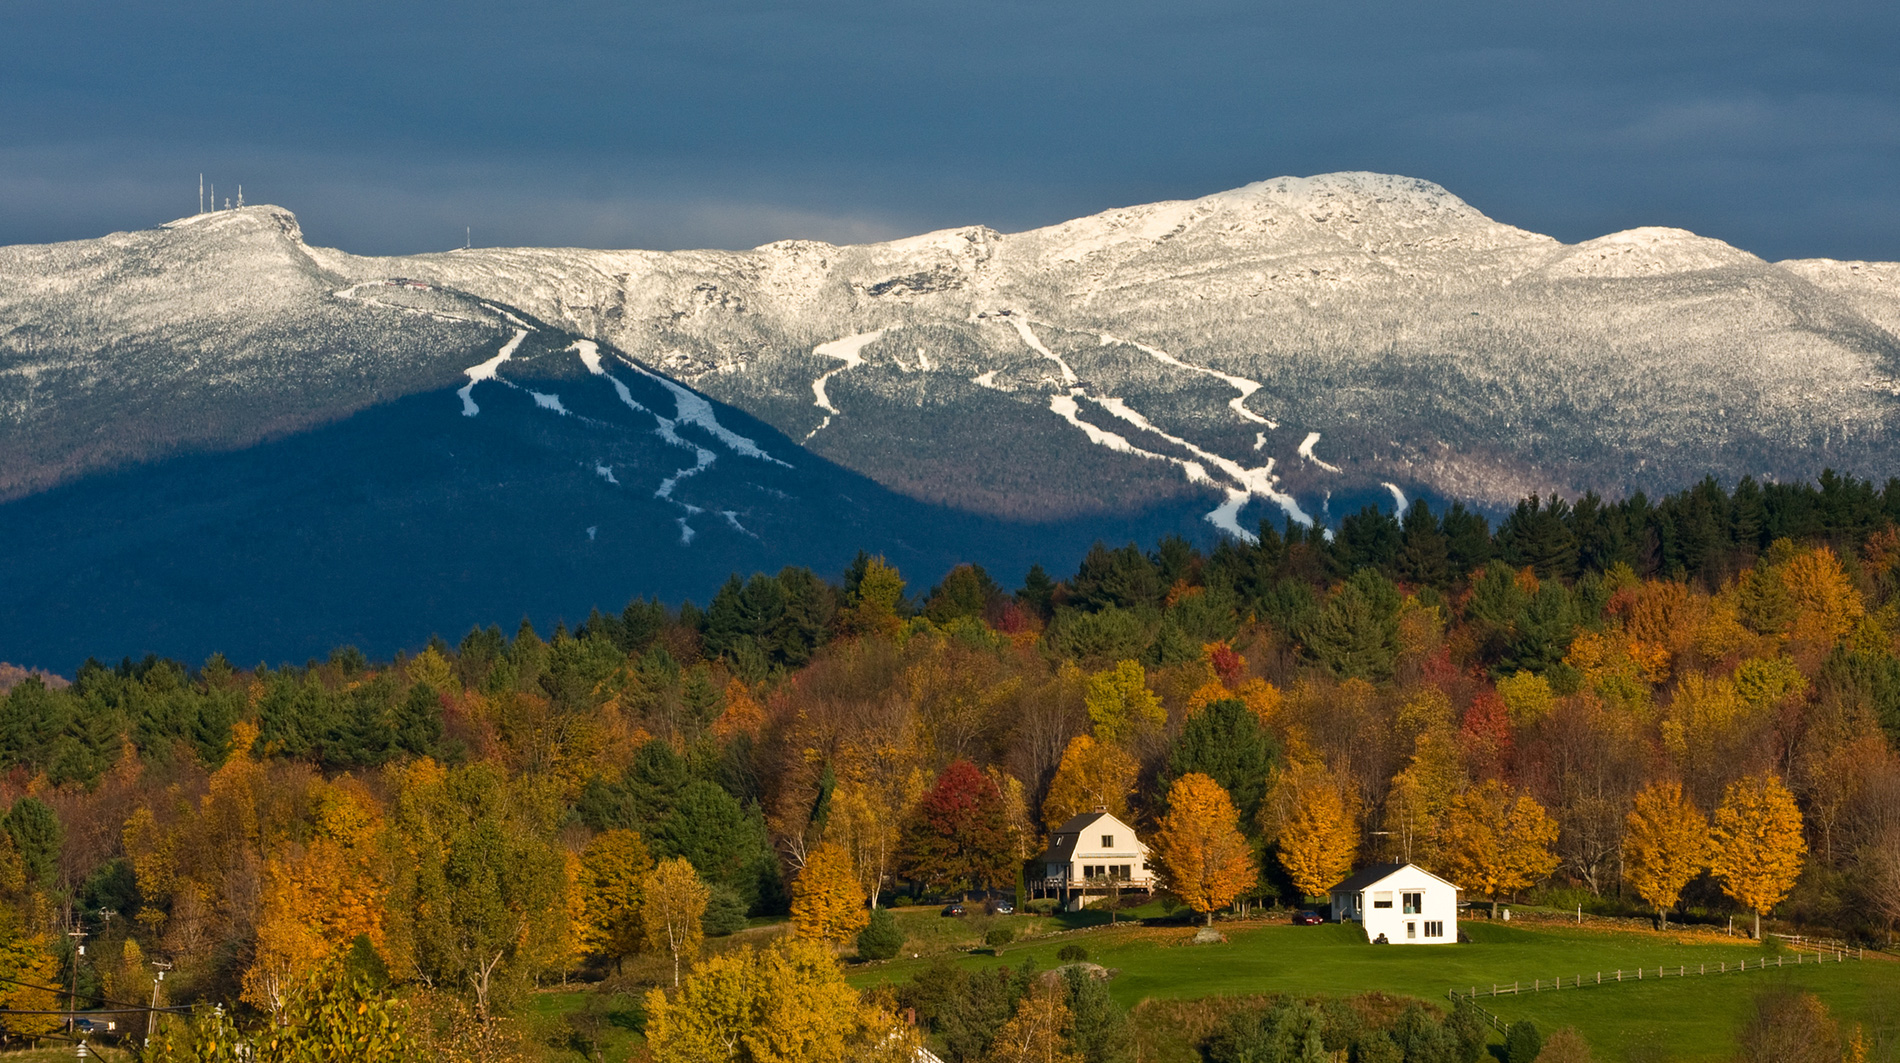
1665,844
1315,822
1758,843
614,867
1497,840
1204,858
827,904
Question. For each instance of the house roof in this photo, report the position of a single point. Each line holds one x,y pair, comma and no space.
1380,872
1064,840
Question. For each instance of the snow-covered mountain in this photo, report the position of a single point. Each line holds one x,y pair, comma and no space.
1124,357
1292,348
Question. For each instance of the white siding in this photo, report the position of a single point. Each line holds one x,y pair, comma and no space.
1436,903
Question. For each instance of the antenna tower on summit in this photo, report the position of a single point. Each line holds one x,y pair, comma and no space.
201,193
240,195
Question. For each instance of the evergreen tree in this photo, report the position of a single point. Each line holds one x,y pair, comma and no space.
1226,742
1356,633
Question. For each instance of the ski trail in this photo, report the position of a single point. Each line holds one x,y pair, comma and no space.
665,428
1398,496
1226,516
549,402
1306,451
1258,481
1029,338
1241,384
352,293
606,472
846,350
693,409
923,360
512,319
986,380
1065,407
486,371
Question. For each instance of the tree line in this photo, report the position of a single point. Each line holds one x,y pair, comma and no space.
1688,705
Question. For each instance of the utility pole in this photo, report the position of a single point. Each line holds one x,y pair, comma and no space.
72,996
151,1017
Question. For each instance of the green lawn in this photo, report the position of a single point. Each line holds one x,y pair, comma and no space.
1688,1019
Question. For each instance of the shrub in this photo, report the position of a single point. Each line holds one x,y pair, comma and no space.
999,936
881,939
725,912
1522,1043
1072,954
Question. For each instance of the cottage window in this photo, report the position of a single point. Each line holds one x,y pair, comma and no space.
1382,899
1108,841
1411,930
1414,903
1434,929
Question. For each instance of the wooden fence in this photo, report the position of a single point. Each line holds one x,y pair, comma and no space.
1808,951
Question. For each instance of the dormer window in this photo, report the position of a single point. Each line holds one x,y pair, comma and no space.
1108,841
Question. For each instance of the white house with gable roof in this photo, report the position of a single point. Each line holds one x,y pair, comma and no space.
1404,902
1092,850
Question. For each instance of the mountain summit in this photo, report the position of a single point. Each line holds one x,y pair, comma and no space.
1293,349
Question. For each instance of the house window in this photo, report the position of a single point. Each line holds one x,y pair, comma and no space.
1434,929
1411,930
1414,903
1382,899
1108,841
1125,873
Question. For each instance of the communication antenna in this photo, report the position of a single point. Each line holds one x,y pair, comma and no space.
201,193
240,195
214,195
468,237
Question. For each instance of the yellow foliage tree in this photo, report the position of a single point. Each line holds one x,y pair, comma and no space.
614,866
1316,823
742,715
1120,704
1038,1032
1498,841
1758,844
872,607
1421,795
1826,603
1527,697
673,902
1091,775
1665,844
827,904
319,897
785,1003
1204,858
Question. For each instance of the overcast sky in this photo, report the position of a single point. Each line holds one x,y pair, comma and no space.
390,126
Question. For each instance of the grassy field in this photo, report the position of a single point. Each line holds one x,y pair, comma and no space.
1687,1019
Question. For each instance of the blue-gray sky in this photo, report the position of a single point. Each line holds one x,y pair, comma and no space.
390,126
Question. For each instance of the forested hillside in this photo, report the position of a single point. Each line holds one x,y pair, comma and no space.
1612,698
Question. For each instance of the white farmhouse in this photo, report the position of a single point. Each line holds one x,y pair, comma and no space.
1089,852
1405,903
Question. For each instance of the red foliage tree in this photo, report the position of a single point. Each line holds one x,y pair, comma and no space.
959,837
1486,736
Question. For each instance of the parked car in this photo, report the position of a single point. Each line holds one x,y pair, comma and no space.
1002,908
1307,919
954,909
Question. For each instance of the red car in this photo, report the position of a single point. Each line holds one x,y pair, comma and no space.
1307,919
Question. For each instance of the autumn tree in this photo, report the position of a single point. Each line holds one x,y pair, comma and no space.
827,904
1314,821
674,902
1665,845
614,866
1120,704
1038,1032
959,837
785,1003
874,596
317,896
1091,775
1758,844
1203,857
1497,840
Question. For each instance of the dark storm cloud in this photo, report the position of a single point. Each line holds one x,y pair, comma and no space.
388,127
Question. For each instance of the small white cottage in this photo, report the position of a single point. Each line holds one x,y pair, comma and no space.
1406,903
1090,851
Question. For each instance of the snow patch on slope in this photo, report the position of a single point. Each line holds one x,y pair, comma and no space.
486,371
